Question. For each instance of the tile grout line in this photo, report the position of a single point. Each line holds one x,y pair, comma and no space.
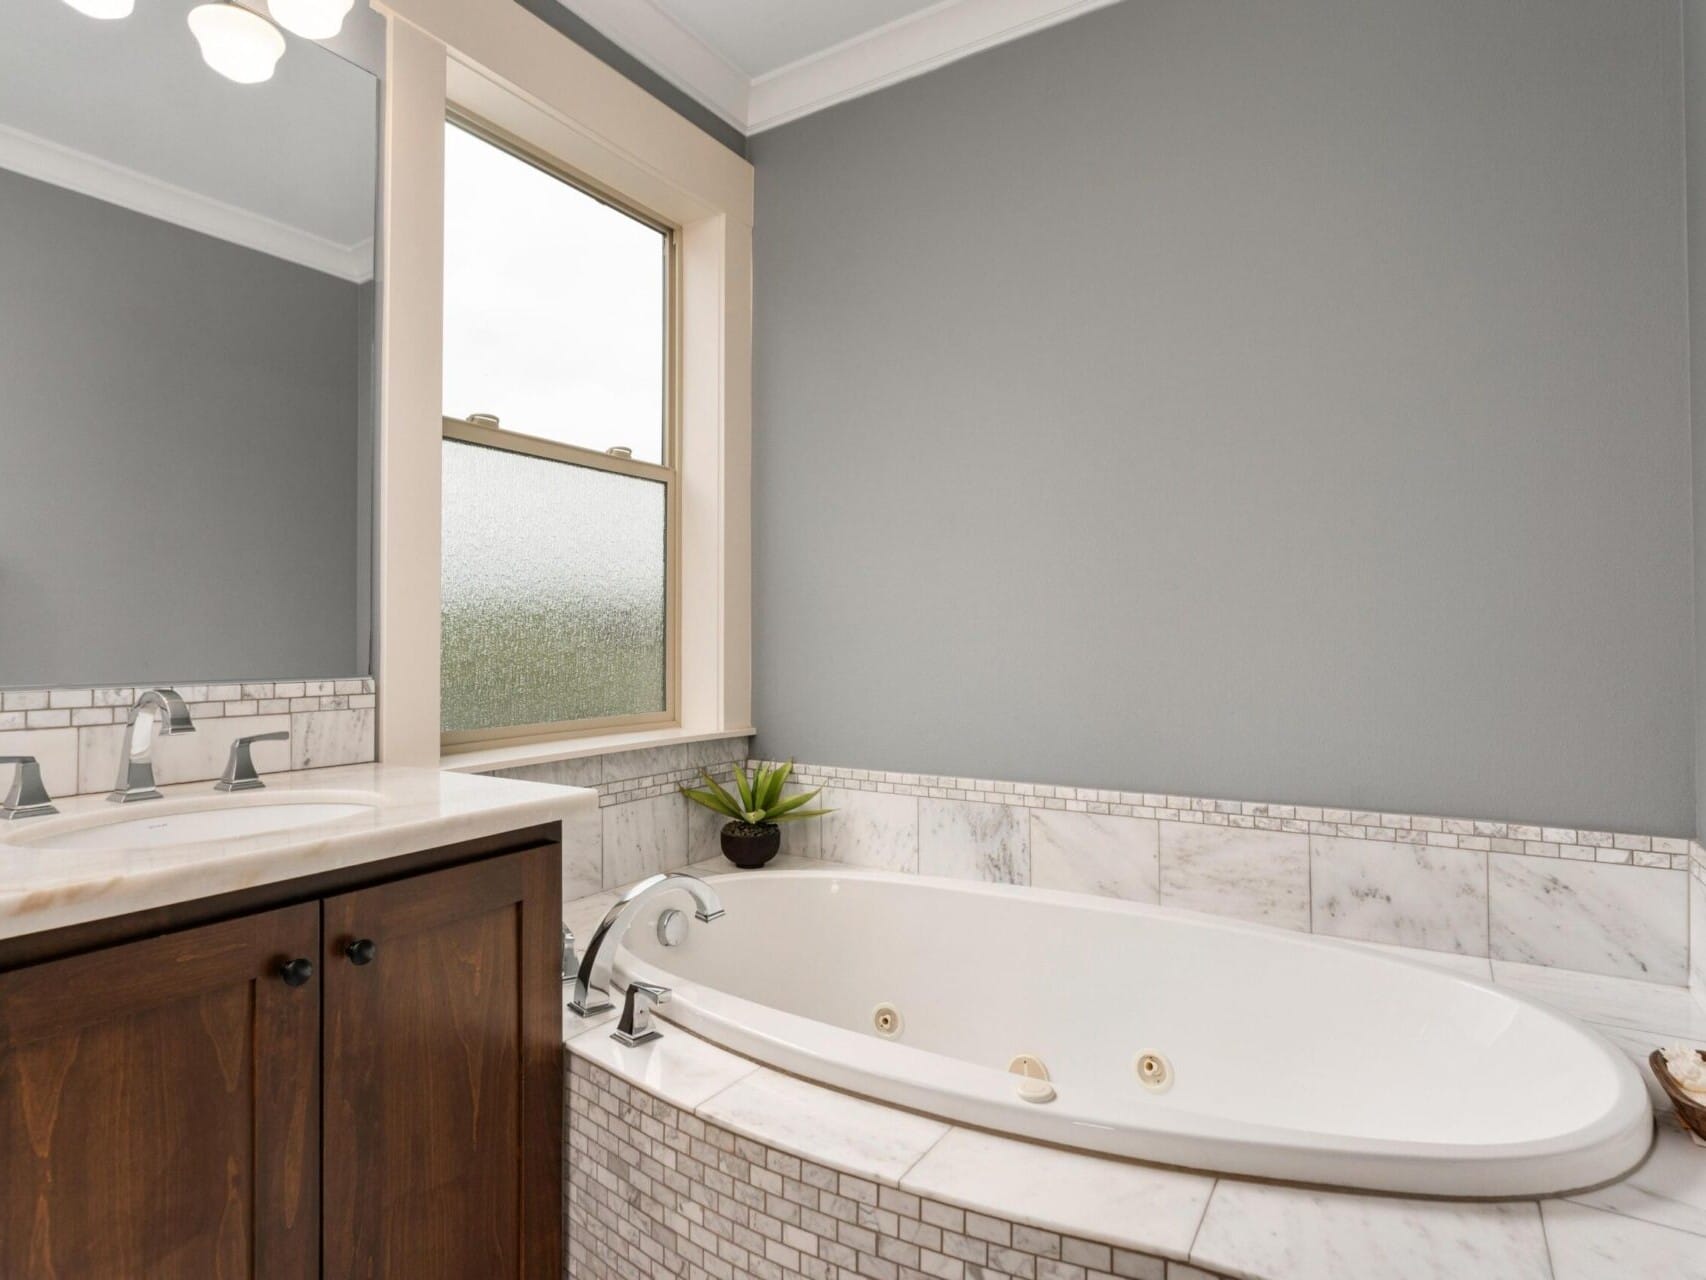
1309,854
1545,1240
1191,1249
900,1182
1487,871
1618,1213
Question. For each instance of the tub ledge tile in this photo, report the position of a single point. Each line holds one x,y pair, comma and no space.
1131,1206
1590,1244
1252,1229
682,1069
846,1133
1669,1190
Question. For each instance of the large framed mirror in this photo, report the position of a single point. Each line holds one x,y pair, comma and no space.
188,329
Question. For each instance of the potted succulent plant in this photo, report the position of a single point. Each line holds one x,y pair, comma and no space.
751,836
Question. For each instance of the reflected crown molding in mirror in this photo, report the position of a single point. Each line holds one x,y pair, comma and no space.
105,10
88,175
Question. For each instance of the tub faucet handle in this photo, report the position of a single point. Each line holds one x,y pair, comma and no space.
635,1025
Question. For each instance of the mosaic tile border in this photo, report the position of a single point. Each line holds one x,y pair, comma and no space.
653,1190
1479,835
659,784
108,704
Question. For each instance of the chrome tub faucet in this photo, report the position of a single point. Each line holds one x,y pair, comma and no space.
157,710
592,980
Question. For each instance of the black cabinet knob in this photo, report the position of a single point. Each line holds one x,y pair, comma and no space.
361,951
296,972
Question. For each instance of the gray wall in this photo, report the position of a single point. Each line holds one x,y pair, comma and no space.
1694,47
178,458
1270,400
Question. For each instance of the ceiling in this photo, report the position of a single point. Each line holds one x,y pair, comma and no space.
127,112
762,63
760,36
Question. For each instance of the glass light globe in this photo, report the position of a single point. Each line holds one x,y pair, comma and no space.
103,9
239,45
311,19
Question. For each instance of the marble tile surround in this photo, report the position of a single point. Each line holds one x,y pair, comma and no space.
1597,901
77,733
643,825
1589,916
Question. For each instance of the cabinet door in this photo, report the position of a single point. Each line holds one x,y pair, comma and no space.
160,1109
443,1075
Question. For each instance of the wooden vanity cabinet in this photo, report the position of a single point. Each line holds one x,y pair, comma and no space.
360,1085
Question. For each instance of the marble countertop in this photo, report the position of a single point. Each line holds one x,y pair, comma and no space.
1649,1226
405,810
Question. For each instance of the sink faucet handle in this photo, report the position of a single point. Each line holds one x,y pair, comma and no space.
635,1025
240,772
28,797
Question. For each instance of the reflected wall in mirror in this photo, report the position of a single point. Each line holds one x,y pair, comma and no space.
187,354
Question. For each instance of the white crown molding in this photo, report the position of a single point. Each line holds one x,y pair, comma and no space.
885,55
46,161
674,52
898,51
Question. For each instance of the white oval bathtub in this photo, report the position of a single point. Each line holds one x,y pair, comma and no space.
1293,1058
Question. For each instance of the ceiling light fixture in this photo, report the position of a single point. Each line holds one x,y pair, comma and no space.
311,19
238,44
106,10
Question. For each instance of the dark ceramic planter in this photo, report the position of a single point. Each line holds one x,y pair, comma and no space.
749,846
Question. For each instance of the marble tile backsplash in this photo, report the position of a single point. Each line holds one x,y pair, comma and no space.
1601,902
77,734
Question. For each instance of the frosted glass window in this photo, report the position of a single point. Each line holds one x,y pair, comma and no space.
555,305
554,591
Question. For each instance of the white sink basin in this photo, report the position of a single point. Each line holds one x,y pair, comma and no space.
217,820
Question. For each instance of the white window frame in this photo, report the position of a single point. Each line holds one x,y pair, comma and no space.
666,474
493,62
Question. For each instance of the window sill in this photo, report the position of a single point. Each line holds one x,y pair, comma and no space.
603,744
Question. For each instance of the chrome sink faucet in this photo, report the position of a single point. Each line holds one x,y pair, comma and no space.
592,981
157,710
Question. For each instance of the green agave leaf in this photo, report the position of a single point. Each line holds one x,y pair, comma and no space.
712,801
773,784
733,808
792,803
798,814
746,802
